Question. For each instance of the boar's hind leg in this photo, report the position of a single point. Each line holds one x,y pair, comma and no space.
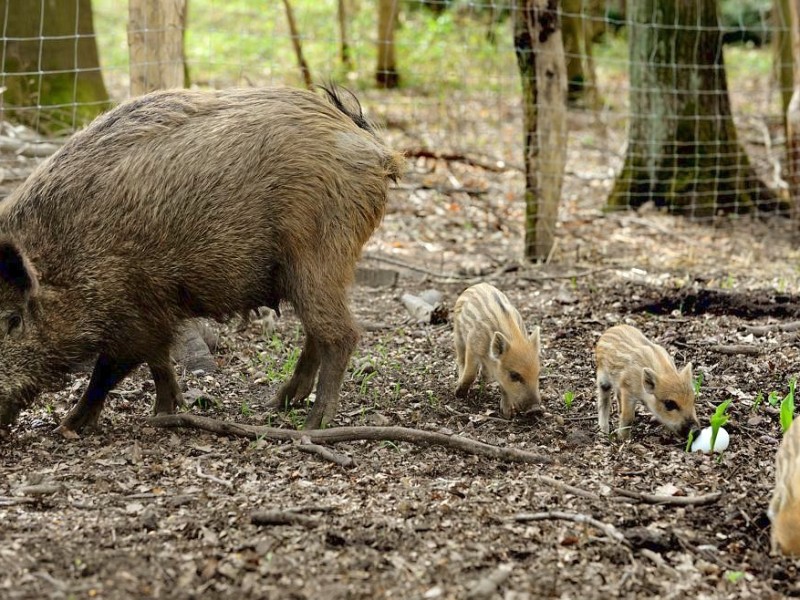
107,373
168,393
299,387
329,326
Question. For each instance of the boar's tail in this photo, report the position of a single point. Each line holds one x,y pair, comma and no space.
394,163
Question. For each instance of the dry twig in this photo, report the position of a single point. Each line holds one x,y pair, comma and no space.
746,349
325,454
762,330
349,434
606,528
276,517
671,500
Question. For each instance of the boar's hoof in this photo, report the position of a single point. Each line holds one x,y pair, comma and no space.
5,434
66,432
462,391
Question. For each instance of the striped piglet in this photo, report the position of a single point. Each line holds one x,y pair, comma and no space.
490,335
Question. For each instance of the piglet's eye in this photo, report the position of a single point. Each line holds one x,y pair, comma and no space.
671,405
515,377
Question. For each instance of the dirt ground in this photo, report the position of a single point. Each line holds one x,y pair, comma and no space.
133,511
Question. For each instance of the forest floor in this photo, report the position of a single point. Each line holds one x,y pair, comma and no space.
136,511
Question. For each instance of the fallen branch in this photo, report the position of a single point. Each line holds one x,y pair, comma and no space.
275,517
12,500
497,166
606,528
670,500
326,454
762,330
40,489
585,273
745,349
442,189
565,487
350,434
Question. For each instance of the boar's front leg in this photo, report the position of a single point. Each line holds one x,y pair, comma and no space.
108,372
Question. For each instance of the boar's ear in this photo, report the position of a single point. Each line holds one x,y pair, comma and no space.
498,346
686,373
649,379
16,271
535,339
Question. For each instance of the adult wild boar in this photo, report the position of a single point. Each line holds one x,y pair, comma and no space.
181,204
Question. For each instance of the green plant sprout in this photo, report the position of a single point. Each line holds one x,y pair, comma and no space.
697,383
689,441
787,406
734,576
718,419
245,409
773,398
759,399
569,398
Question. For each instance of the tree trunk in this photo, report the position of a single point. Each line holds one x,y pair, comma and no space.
155,39
344,46
783,50
572,32
386,75
305,72
793,115
682,148
540,57
51,70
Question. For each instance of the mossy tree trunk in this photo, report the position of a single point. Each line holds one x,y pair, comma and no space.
540,58
51,69
581,22
682,152
784,61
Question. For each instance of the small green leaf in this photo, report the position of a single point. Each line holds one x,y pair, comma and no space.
689,441
718,419
569,398
773,398
698,383
787,412
734,576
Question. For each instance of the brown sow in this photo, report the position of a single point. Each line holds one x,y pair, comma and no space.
636,370
183,204
784,509
490,336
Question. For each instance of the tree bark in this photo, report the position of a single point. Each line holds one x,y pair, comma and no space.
783,50
305,72
155,40
683,153
540,58
386,75
51,69
344,44
793,115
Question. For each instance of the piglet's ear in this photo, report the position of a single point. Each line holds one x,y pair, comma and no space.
498,346
686,373
16,271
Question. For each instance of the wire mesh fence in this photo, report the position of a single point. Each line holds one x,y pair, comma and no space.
673,107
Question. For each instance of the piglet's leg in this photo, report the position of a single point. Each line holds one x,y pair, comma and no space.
108,372
604,391
627,410
468,373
